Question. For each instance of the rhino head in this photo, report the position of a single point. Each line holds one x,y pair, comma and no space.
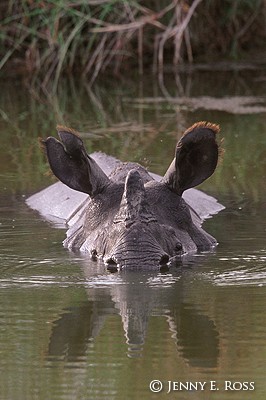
131,220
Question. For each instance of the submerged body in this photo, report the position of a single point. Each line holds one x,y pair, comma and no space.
131,219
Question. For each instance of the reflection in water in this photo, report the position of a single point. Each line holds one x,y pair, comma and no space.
206,322
197,337
73,330
135,298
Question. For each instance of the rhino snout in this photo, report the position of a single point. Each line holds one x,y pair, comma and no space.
138,260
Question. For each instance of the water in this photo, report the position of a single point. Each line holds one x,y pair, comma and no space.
70,329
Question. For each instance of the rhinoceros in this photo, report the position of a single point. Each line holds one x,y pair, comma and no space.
120,212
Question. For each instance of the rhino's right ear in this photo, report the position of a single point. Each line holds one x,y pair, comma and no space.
71,164
195,159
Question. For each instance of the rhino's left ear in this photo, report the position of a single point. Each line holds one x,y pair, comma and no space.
196,157
72,165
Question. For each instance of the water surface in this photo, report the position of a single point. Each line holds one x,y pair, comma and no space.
70,329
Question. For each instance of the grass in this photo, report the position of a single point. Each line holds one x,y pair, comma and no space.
43,39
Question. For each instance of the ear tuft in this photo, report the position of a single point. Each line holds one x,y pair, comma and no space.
63,128
203,124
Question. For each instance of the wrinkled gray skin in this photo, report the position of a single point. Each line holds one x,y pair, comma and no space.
132,220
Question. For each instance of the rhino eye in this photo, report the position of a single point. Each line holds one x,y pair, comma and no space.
178,247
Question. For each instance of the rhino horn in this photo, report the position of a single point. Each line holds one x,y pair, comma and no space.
134,206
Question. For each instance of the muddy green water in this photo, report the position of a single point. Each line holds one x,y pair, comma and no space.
71,330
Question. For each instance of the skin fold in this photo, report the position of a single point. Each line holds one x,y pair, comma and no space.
132,220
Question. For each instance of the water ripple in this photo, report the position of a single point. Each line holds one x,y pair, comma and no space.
163,280
247,269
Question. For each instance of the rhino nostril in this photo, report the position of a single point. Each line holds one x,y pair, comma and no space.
111,265
164,259
94,254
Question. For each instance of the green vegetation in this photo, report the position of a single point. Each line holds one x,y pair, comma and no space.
41,39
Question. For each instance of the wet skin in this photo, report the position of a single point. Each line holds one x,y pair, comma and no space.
131,220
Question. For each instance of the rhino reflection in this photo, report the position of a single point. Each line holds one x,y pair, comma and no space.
137,298
197,337
72,331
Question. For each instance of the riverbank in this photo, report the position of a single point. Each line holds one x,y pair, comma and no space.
43,40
